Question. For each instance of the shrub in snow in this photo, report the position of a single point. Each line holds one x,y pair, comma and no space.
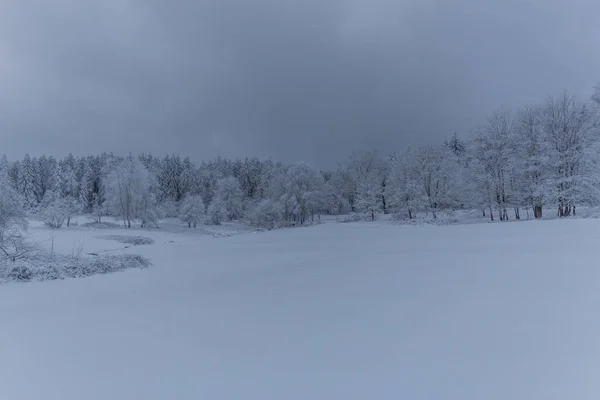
19,272
54,213
99,211
216,212
105,225
42,267
266,214
72,207
192,210
14,246
133,240
352,218
148,213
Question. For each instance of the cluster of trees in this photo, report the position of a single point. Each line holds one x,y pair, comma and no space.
525,159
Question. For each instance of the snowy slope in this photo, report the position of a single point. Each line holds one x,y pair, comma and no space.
337,311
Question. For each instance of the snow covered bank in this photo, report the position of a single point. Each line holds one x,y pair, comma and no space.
128,239
42,267
335,311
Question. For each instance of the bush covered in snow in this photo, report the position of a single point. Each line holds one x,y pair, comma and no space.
55,213
352,218
101,225
217,212
266,214
133,240
42,267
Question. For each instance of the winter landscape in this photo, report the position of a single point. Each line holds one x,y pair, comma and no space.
398,275
300,199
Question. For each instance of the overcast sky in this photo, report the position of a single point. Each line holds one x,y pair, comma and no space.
305,80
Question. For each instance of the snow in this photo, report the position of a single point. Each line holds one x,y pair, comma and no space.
333,311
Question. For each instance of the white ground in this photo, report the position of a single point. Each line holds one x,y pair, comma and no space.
336,311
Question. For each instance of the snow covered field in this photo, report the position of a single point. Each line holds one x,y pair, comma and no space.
335,311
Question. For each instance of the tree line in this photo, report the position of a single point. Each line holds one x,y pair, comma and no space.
523,160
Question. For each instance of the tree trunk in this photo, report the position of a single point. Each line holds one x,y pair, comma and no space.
537,212
517,213
409,214
68,221
491,214
483,212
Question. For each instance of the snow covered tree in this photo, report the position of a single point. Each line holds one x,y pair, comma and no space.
368,199
207,178
192,210
27,176
365,169
67,188
457,147
298,188
229,193
54,211
266,214
66,181
99,210
339,199
94,174
346,184
250,174
129,193
332,201
189,177
13,222
404,190
573,148
14,176
494,150
45,180
173,180
217,212
436,173
532,158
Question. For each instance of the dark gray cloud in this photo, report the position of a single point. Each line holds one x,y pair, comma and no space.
297,80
